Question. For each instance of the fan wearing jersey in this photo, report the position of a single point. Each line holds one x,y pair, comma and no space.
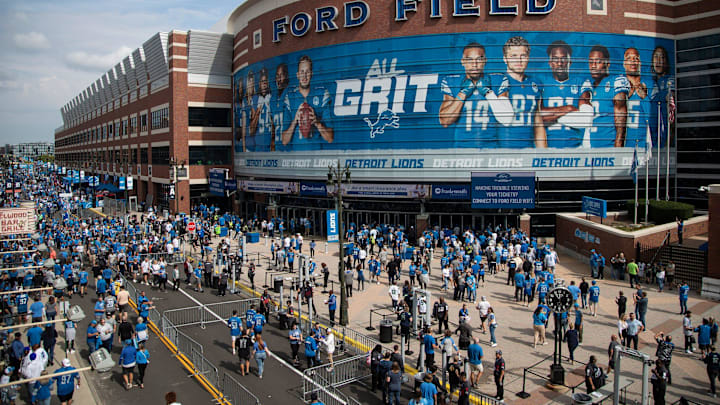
238,108
526,130
638,101
261,123
566,112
663,84
468,100
307,111
609,100
278,105
235,325
249,112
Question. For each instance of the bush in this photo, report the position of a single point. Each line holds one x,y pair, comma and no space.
661,212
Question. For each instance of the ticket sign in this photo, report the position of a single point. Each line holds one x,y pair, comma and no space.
594,206
492,190
332,226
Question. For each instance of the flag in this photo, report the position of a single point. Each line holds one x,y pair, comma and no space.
648,144
671,107
634,167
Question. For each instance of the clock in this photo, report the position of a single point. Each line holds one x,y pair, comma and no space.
560,299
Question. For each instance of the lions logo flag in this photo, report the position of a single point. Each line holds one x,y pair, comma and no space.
634,167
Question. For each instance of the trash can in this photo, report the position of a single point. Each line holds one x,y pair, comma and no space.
277,284
580,398
282,317
386,332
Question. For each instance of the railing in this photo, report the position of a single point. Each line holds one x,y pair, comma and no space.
690,263
327,394
205,367
182,342
236,393
344,371
201,315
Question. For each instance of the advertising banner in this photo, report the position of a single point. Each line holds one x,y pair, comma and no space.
216,182
332,226
450,192
121,183
270,187
492,190
384,190
433,107
130,183
314,189
594,206
17,221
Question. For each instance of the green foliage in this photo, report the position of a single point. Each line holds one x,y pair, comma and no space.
660,212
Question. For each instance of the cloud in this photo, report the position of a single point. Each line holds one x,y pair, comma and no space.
32,41
94,61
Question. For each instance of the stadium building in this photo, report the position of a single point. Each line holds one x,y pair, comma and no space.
466,113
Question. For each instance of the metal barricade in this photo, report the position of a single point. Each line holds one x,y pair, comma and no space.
344,371
327,394
182,342
185,316
225,309
234,392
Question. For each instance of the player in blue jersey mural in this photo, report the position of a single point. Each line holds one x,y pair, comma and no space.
663,84
248,112
238,101
261,124
468,100
566,112
609,100
526,130
278,105
308,112
638,100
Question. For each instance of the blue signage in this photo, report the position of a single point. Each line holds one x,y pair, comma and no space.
230,185
332,226
492,190
121,183
594,206
216,182
313,189
450,192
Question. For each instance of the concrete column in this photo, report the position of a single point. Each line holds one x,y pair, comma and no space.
711,283
421,223
525,223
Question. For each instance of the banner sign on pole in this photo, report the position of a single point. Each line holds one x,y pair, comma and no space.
332,226
503,190
129,183
594,206
121,183
216,182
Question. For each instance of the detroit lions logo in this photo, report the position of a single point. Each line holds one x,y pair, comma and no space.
385,119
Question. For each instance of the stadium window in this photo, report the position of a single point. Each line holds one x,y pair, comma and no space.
143,123
208,117
159,118
209,155
143,156
160,155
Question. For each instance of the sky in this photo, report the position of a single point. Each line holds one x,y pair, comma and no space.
52,50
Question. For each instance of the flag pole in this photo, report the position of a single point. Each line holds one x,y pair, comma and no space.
667,150
657,177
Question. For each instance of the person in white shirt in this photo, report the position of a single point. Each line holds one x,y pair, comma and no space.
394,292
329,342
482,307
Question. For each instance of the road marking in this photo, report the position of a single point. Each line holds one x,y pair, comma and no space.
279,360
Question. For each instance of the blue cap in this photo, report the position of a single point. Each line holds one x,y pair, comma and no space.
128,341
577,305
594,282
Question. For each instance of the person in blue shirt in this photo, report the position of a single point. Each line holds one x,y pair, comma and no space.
609,99
594,297
542,291
142,358
703,339
519,285
529,290
575,290
34,335
235,325
37,309
311,347
100,287
250,316
526,130
683,290
316,100
93,336
332,306
567,112
539,320
42,389
429,345
127,361
475,355
428,390
21,301
83,282
66,383
258,323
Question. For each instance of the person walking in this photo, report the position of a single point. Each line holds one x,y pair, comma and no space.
594,292
578,324
642,307
594,376
688,333
499,375
142,358
584,289
260,353
632,270
622,329
394,384
621,301
634,327
712,361
571,337
683,290
329,343
66,383
127,362
539,320
440,312
664,352
331,302
492,325
475,355
659,378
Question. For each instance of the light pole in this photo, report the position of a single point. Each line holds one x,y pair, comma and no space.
175,165
337,176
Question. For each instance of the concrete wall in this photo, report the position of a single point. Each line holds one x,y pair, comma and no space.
576,234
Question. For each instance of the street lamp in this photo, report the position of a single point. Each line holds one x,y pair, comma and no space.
175,165
337,176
